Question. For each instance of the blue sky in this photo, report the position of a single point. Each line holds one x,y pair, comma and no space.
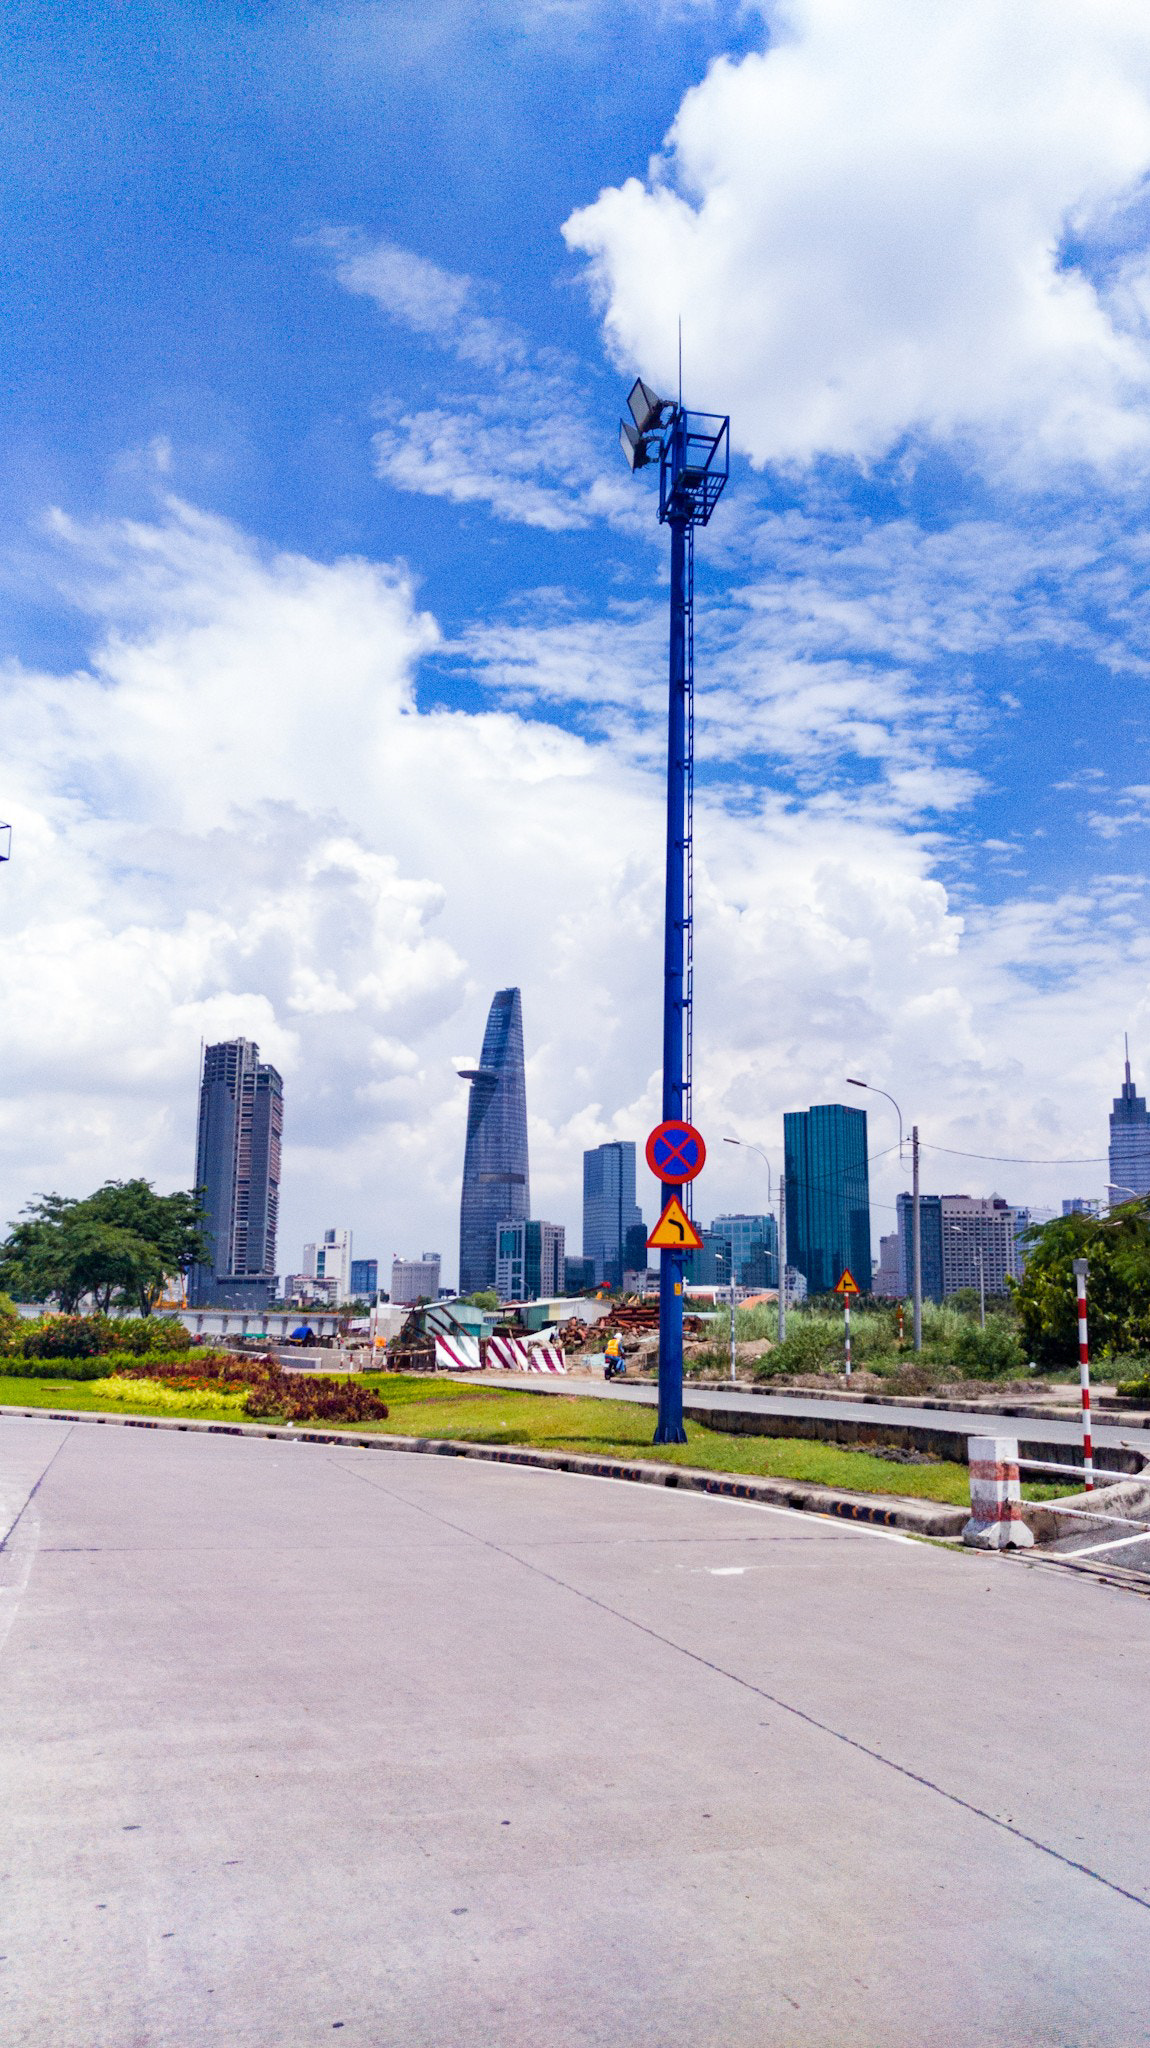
334,627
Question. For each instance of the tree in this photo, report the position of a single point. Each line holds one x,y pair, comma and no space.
170,1223
119,1244
1118,1249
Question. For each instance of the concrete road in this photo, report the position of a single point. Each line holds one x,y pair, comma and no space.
301,1740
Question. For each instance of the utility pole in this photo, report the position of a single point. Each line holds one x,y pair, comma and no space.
783,1256
732,1311
916,1239
693,453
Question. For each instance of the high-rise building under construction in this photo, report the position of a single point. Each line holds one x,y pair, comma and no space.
238,1176
496,1182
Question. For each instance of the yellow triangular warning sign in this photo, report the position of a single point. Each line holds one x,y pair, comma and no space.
674,1232
848,1284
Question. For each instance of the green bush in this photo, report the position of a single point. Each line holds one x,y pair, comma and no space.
153,1336
1136,1385
814,1343
95,1368
990,1354
57,1368
12,1326
68,1337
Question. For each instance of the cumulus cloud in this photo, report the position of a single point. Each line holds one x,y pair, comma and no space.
236,818
865,228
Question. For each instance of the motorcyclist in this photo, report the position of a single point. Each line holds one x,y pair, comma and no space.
616,1364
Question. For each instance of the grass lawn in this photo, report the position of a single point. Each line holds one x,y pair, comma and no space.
563,1422
558,1422
95,1397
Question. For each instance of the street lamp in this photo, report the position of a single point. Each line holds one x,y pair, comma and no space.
916,1227
781,1256
693,453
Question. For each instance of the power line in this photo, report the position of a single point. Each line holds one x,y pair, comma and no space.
1002,1159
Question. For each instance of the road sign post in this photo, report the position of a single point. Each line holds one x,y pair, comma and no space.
675,1154
847,1286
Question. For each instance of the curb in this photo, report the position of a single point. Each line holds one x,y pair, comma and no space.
922,1518
1050,1412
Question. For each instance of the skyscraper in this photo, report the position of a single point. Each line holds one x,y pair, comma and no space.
930,1245
1129,1143
754,1253
530,1264
238,1176
610,1209
828,1194
496,1185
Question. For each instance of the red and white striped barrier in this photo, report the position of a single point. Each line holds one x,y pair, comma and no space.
457,1353
547,1358
1081,1268
511,1354
995,1496
507,1354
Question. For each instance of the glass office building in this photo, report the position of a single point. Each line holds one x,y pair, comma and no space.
828,1195
530,1262
496,1187
754,1248
364,1277
238,1142
610,1212
930,1240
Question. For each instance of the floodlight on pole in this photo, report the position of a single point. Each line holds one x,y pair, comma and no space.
693,453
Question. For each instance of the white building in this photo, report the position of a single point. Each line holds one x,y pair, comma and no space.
886,1278
795,1284
980,1242
415,1280
327,1266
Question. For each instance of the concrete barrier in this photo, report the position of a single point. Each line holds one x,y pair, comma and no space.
995,1496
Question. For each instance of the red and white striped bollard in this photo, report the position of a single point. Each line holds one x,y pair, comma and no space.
1081,1269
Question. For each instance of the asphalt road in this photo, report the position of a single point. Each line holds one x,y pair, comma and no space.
1052,1429
438,1754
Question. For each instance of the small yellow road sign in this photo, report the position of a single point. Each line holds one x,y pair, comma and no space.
675,1232
848,1284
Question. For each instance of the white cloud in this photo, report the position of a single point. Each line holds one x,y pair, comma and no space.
236,818
522,443
861,229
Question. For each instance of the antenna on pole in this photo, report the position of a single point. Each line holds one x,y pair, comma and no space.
1126,1042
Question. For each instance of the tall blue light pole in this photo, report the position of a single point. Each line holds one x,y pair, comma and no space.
693,453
